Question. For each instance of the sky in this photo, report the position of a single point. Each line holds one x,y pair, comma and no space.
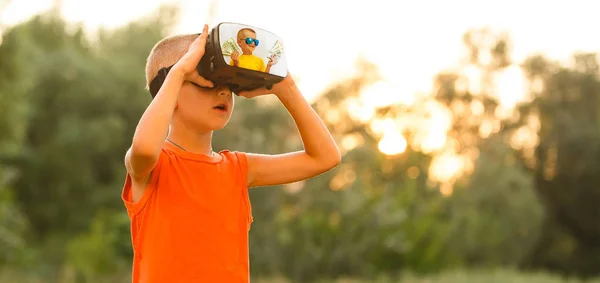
409,41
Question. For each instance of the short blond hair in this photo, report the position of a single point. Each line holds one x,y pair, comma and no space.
166,53
240,33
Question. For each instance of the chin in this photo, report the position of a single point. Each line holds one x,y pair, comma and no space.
218,126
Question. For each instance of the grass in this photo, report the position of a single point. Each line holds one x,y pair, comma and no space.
470,276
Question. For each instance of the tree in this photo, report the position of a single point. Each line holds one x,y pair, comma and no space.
72,103
552,138
564,116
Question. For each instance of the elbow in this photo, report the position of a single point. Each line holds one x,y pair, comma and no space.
333,159
337,157
143,150
326,160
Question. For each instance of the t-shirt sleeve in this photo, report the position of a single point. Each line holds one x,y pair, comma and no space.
242,163
133,208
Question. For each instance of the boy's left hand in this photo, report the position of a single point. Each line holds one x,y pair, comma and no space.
276,89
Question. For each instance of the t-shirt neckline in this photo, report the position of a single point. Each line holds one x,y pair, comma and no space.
215,158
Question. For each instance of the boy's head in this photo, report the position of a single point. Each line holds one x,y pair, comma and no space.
246,39
198,108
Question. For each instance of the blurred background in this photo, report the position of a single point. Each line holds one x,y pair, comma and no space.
470,134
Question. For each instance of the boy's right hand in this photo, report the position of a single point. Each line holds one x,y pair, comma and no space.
187,64
153,127
235,57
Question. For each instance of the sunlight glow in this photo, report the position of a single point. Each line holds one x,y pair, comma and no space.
436,127
392,143
360,112
333,116
294,187
446,167
512,85
486,128
407,70
511,89
413,172
346,175
349,142
524,138
434,141
473,75
384,93
383,126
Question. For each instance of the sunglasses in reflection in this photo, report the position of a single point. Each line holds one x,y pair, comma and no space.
249,40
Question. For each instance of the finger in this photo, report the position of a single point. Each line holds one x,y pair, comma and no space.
200,40
197,46
201,81
254,92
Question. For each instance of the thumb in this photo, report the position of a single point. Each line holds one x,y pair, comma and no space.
254,92
201,81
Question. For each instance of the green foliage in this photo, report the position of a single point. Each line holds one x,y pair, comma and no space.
12,226
497,216
455,276
559,131
88,253
566,159
73,104
69,104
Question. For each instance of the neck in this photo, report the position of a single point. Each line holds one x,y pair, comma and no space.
190,141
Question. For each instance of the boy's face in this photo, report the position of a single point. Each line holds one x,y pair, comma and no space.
247,48
204,109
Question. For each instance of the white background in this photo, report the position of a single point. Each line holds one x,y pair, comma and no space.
266,40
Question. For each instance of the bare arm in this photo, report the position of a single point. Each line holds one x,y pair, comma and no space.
152,128
320,152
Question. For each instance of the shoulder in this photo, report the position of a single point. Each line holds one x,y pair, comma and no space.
135,194
236,157
238,160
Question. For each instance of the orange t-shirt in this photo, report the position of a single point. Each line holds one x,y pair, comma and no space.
192,223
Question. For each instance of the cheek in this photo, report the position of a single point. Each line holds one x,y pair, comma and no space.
191,96
192,104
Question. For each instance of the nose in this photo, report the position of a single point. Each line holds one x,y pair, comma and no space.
223,90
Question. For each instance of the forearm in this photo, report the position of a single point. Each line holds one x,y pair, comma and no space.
317,140
152,128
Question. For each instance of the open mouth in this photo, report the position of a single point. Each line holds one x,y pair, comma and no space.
220,107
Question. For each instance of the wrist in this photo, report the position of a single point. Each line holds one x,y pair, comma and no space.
287,91
176,74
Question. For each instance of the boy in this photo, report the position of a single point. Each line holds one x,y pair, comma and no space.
246,39
189,206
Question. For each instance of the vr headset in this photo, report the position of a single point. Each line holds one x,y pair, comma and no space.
239,56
